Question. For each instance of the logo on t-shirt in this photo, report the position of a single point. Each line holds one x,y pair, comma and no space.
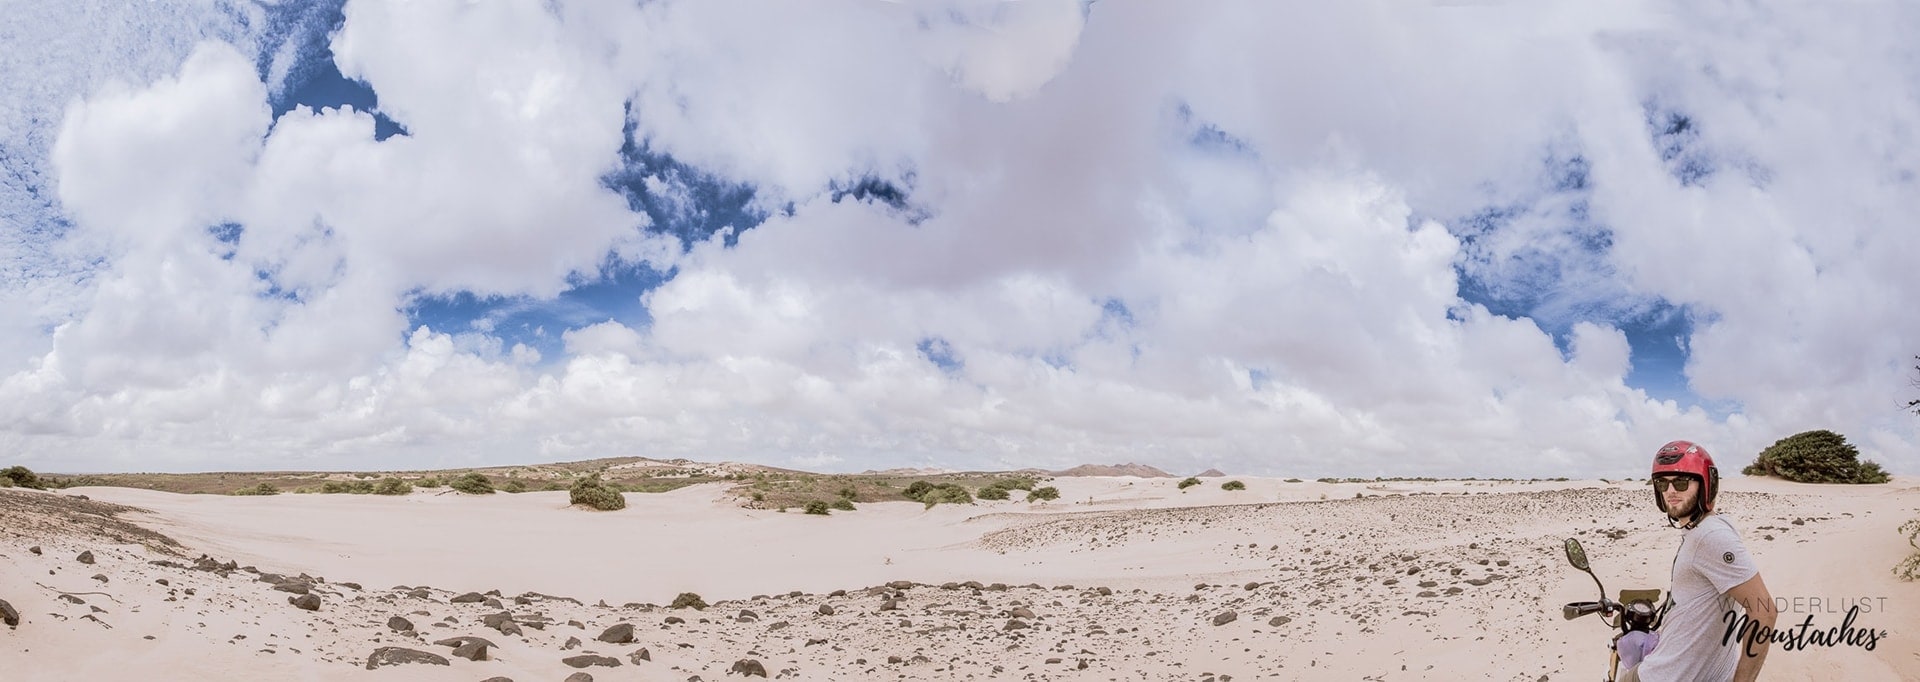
1728,557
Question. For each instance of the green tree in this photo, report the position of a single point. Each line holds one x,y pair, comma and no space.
1820,456
23,477
473,482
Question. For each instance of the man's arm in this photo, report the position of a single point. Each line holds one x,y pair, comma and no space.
1753,596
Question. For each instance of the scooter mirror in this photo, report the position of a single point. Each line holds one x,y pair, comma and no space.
1576,554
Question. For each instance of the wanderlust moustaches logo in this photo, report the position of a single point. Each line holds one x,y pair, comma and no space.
1795,637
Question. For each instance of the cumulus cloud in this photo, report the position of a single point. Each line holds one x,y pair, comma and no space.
1235,235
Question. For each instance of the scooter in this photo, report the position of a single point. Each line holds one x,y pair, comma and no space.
1634,612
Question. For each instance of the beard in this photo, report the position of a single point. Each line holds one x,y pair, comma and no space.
1682,510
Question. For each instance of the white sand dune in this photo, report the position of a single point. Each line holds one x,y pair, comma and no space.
1124,578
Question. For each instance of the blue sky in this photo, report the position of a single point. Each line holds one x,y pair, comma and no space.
978,235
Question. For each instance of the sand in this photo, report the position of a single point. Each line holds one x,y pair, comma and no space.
1121,579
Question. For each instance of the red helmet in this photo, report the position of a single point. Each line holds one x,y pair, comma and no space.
1685,458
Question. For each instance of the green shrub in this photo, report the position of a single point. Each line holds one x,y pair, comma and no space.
1014,483
1816,457
1909,569
23,477
946,493
347,487
515,485
688,600
6,482
1046,493
1294,480
593,492
993,493
817,507
916,489
1233,485
474,483
429,482
849,494
1189,482
392,486
842,504
263,489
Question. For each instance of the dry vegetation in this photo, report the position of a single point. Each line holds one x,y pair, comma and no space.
30,513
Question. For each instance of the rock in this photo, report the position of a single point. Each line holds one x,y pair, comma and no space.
1225,618
497,620
400,624
352,585
102,577
472,651
498,679
572,643
826,610
393,655
1015,625
675,620
8,615
638,656
900,584
588,660
579,677
85,557
294,587
747,616
469,598
35,550
308,602
421,593
1020,612
1278,621
618,634
457,642
748,667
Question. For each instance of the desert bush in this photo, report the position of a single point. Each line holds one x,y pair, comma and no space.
1909,568
1189,482
993,493
514,485
347,487
6,482
263,489
1815,457
593,492
474,483
1043,493
1233,485
1013,483
817,507
916,489
1294,480
22,477
849,494
429,482
842,504
946,493
688,600
392,486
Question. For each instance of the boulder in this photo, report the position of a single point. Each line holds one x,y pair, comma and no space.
590,660
579,677
469,598
399,624
638,656
457,642
618,634
85,557
393,655
1225,618
8,615
472,651
307,602
826,609
748,667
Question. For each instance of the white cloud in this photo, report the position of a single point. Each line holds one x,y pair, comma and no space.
1259,188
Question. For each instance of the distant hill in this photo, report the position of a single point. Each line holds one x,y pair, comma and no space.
1140,470
1210,473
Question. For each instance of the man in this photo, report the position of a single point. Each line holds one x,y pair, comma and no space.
1712,573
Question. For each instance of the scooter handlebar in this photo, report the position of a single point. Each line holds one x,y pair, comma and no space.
1581,608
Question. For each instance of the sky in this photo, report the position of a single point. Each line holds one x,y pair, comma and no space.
1394,238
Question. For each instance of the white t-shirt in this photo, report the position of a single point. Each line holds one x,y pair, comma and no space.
1711,561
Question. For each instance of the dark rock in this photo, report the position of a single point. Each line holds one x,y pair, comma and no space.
469,598
638,656
498,679
579,677
675,620
1020,612
457,642
400,624
1015,625
748,667
1278,621
1225,618
306,601
294,587
352,585
35,550
747,616
618,634
72,599
826,610
588,660
572,643
393,655
472,651
421,593
85,557
8,615
102,577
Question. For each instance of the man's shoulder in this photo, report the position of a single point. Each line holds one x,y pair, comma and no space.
1716,531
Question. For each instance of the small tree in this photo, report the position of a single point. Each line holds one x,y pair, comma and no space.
916,489
1043,493
993,493
392,486
842,504
1816,457
595,493
23,477
473,482
1233,485
818,507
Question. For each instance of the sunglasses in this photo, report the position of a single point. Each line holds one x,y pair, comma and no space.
1676,483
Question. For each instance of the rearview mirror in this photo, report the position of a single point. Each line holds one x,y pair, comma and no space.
1576,554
